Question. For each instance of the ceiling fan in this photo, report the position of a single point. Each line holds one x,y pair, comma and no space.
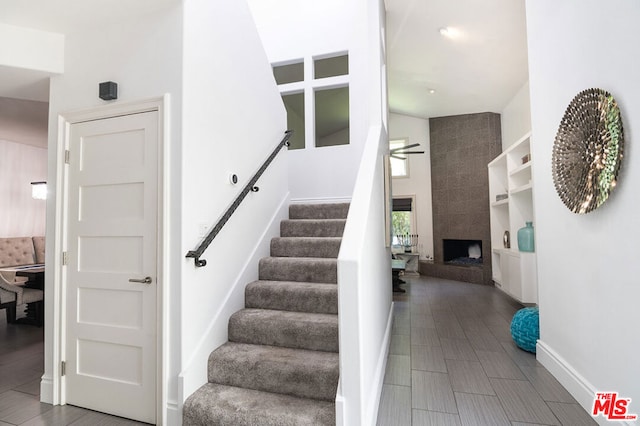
396,152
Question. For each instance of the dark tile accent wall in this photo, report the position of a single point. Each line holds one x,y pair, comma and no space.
461,147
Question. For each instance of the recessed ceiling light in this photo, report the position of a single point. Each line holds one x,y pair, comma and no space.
432,91
450,32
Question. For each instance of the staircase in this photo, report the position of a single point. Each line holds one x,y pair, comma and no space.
280,365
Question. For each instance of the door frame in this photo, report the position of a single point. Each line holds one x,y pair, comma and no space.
59,294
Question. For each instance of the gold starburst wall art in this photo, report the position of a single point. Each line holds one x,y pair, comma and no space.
587,151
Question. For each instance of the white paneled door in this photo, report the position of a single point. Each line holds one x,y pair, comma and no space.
111,272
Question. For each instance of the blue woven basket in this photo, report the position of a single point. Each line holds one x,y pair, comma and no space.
525,328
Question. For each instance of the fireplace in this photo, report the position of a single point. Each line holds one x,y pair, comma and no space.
462,252
461,146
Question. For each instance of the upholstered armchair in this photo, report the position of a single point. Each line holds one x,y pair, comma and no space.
12,296
19,251
38,246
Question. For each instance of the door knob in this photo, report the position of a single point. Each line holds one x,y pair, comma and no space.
145,280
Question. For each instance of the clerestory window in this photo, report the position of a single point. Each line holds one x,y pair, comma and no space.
315,92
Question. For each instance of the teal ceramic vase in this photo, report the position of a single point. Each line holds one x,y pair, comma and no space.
525,238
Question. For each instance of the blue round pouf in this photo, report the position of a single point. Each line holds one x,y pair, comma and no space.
525,328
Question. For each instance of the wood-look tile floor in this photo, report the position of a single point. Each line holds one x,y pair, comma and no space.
452,362
21,367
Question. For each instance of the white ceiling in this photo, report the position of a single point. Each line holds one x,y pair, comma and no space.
479,71
63,16
24,84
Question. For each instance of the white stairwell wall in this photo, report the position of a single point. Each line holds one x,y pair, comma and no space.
233,118
364,292
292,30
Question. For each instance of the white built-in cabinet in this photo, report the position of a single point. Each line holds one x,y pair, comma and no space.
514,272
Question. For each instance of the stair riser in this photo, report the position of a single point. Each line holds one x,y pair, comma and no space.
300,270
322,299
316,380
319,211
283,333
305,247
297,228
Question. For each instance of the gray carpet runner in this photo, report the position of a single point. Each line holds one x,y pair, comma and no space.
280,365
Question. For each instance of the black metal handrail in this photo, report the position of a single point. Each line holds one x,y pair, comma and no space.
250,187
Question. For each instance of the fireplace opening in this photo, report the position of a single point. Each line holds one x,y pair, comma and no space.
462,252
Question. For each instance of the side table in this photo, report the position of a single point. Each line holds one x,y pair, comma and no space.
411,260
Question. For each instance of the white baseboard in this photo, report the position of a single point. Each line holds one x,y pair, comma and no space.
578,386
339,407
381,367
174,416
46,390
320,200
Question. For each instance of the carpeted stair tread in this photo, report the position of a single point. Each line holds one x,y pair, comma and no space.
294,296
280,366
295,372
219,405
318,332
312,227
303,269
327,247
319,211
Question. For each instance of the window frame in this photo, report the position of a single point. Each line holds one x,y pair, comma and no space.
309,86
413,217
302,92
405,142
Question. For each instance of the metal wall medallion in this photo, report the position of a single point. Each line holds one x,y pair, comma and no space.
587,151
